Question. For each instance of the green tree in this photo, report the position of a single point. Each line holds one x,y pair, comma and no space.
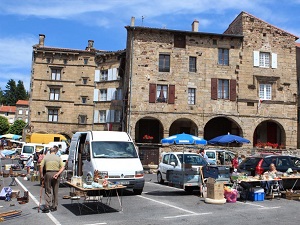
10,93
17,127
1,97
4,125
21,92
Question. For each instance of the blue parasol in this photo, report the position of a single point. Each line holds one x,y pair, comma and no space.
183,139
227,139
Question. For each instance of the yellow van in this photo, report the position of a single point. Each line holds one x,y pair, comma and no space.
45,138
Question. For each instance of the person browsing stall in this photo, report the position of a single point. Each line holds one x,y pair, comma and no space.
272,169
202,153
54,166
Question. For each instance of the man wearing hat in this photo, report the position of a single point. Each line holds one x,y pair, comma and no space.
54,166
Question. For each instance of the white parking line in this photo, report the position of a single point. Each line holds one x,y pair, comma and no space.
175,188
51,217
261,206
94,223
197,214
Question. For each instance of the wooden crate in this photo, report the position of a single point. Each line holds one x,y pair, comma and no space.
292,196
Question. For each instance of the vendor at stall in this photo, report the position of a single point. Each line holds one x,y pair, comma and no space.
271,185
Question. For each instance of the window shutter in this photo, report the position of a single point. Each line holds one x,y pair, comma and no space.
96,95
97,75
114,73
214,88
96,116
274,60
255,58
111,94
152,93
112,116
171,97
110,74
232,94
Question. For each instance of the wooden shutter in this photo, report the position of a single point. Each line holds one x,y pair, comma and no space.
214,88
110,74
114,73
232,90
96,116
152,93
96,95
274,60
255,58
171,97
97,75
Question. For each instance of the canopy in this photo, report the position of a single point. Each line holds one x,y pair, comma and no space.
11,136
8,152
228,138
182,139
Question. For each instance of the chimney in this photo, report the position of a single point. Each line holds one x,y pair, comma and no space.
90,43
195,26
132,21
41,40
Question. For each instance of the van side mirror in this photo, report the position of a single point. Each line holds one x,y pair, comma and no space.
173,164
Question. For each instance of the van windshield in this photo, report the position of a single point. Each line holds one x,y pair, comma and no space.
28,149
193,159
113,149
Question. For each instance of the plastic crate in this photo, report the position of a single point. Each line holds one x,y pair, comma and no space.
259,196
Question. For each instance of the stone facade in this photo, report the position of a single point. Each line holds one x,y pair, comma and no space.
242,112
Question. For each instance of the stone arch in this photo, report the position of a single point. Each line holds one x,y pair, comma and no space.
221,125
148,130
183,125
271,132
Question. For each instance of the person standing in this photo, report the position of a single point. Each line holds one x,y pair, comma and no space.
54,166
202,153
235,162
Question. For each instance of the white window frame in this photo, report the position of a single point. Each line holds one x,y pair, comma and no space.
103,95
103,75
191,96
264,59
55,74
54,94
265,91
161,90
102,116
20,111
223,89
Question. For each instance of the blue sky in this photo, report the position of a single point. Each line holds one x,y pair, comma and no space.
71,23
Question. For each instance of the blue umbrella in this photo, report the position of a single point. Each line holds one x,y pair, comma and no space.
228,138
183,139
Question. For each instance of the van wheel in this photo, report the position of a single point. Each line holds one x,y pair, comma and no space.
159,178
137,191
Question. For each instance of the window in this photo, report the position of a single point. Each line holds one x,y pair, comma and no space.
82,119
191,96
166,159
164,63
117,115
223,57
83,100
104,75
223,89
102,114
26,113
20,111
265,91
84,80
192,64
52,115
85,61
161,93
54,94
48,60
264,59
65,61
103,94
26,120
55,74
119,94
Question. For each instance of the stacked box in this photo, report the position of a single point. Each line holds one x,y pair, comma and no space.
215,190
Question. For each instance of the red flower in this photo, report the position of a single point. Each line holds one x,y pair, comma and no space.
147,137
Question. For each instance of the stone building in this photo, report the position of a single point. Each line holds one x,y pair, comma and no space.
64,85
8,112
22,110
242,82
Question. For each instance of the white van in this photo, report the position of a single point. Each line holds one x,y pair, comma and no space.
219,156
28,150
112,153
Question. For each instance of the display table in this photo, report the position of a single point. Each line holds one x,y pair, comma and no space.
96,195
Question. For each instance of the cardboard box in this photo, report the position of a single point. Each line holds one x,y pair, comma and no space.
215,190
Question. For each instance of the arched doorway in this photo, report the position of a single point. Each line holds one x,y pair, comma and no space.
183,125
148,129
269,133
221,126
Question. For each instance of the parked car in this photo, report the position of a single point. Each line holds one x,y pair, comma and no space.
173,165
254,165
